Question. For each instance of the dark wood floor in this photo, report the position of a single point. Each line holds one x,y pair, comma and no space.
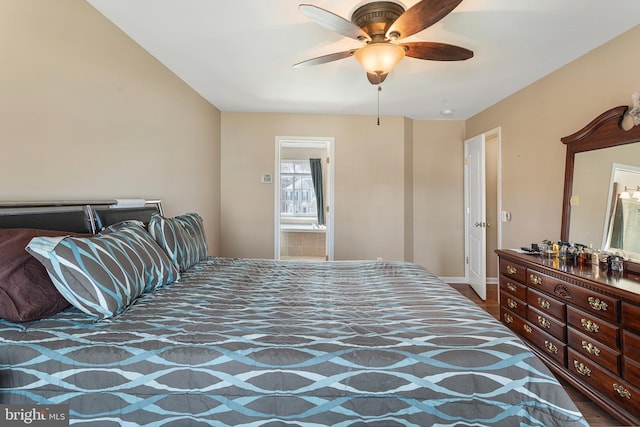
595,416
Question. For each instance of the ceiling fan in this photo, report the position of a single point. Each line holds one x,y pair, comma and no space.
379,25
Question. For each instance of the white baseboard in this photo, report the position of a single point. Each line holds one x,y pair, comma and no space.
453,279
490,280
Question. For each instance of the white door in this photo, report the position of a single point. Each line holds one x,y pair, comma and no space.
476,219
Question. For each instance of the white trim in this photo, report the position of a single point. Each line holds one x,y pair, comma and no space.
456,280
276,202
498,131
327,143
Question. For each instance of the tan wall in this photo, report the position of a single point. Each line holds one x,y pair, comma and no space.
398,186
438,196
534,119
87,113
369,182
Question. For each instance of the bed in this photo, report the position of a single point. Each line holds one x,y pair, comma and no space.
254,342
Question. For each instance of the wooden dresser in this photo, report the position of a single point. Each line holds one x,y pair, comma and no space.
582,322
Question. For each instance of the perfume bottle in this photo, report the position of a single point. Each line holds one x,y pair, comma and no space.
562,252
617,263
555,249
587,254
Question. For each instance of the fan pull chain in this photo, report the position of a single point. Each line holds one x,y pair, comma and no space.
379,90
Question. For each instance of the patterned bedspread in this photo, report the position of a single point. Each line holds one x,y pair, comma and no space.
266,343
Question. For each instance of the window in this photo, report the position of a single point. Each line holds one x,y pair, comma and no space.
298,197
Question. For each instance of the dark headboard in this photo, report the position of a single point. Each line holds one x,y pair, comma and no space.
74,219
108,216
79,217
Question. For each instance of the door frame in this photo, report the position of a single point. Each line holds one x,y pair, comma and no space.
327,143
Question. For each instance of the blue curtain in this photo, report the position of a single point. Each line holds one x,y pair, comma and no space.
316,176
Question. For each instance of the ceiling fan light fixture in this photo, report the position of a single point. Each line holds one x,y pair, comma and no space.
379,58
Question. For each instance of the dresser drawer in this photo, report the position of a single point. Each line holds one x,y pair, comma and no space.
547,323
631,316
594,350
631,370
600,305
516,289
537,280
615,389
513,304
546,304
593,302
512,320
631,345
551,346
512,271
593,327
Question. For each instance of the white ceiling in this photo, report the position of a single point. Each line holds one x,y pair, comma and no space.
238,54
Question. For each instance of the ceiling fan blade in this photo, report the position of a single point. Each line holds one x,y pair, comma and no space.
420,16
376,79
436,51
324,59
334,22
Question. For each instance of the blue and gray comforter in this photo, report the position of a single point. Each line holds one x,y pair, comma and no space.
239,342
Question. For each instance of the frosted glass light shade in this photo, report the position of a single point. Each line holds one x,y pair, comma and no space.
379,58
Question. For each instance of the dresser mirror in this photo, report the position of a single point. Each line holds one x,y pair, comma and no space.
622,219
602,159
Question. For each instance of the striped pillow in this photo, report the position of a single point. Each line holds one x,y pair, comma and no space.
194,225
182,237
104,274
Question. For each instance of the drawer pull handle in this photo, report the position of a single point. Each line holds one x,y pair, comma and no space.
590,348
598,305
590,326
582,369
511,269
512,287
536,280
623,392
544,322
528,329
543,303
511,303
507,318
550,347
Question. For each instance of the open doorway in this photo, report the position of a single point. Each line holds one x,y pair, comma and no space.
303,199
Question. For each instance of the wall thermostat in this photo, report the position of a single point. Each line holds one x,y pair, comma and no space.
266,178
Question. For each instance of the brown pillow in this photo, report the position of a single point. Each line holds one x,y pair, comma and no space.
26,291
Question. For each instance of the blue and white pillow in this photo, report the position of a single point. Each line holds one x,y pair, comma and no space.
194,225
104,274
182,237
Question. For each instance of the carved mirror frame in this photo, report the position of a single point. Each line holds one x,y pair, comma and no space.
602,132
